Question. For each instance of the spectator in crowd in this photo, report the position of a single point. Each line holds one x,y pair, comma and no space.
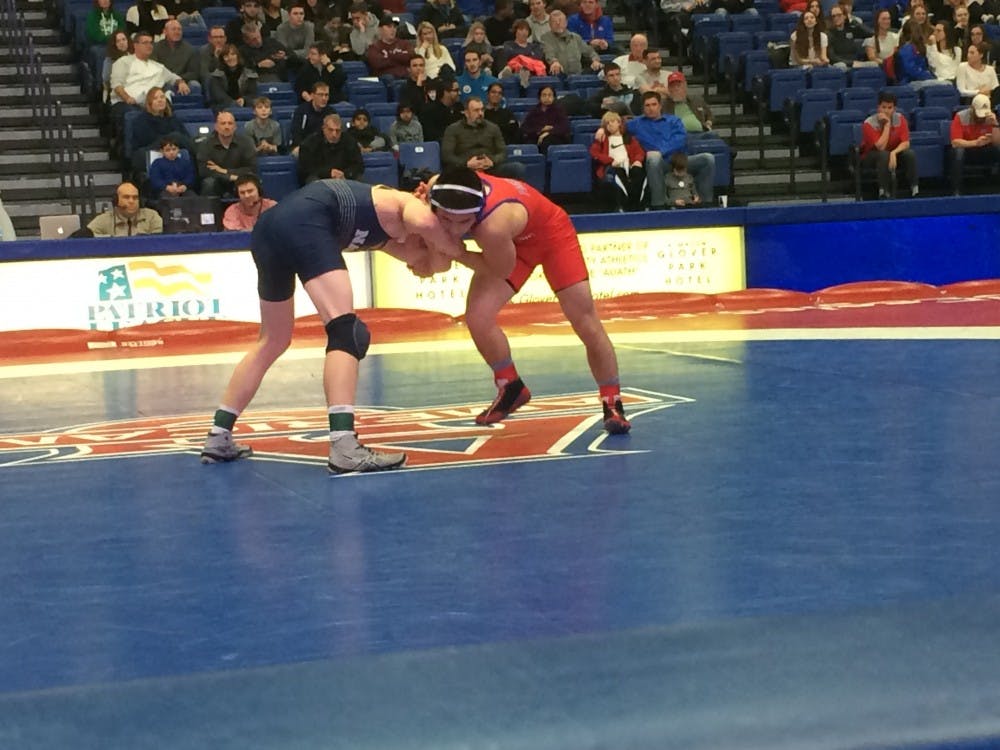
444,17
499,29
859,31
148,16
388,55
975,139
808,45
476,41
975,76
654,78
476,143
538,20
885,145
272,15
126,218
405,128
102,21
265,55
962,26
595,28
691,108
187,12
132,76
662,136
977,36
368,137
943,55
522,56
320,67
843,44
337,34
173,174
816,8
564,50
884,41
308,116
918,14
614,96
546,123
317,11
224,156
414,91
437,58
232,84
364,30
681,189
151,125
250,13
500,116
118,46
981,11
443,111
618,160
330,154
177,55
296,35
242,215
911,58
474,80
633,64
263,128
210,54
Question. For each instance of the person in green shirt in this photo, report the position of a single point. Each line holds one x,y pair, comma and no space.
103,21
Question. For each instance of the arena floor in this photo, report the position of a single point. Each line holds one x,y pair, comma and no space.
796,546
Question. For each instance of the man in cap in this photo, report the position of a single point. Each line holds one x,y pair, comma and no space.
975,138
388,55
517,228
691,108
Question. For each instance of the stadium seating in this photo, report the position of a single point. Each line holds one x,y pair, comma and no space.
380,168
425,155
278,175
569,169
533,161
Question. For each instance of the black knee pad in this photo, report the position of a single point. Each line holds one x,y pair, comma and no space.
348,333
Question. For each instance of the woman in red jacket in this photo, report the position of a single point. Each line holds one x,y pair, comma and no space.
619,163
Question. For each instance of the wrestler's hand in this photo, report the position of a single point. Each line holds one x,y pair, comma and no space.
422,191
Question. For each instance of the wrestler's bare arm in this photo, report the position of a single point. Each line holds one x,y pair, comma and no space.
413,251
498,251
418,219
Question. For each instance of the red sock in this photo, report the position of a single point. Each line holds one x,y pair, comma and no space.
505,374
610,393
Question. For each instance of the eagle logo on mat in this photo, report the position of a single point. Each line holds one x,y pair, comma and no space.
553,427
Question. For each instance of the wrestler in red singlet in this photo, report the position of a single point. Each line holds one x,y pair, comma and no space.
549,238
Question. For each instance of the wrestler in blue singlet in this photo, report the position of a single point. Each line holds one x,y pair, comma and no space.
308,232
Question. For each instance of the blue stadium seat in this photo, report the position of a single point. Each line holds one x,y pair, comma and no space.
858,97
813,106
187,101
511,87
729,45
783,22
756,62
930,153
841,130
519,107
827,78
704,30
762,38
194,114
218,15
535,84
927,118
870,77
454,46
784,83
128,140
363,93
278,175
747,22
945,95
280,93
354,68
344,109
767,7
199,129
533,161
425,155
195,35
242,114
380,169
584,129
579,82
719,149
569,169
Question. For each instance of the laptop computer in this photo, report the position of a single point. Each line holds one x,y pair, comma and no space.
58,227
197,213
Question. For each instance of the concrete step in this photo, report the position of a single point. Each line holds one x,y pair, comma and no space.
81,136
32,162
39,188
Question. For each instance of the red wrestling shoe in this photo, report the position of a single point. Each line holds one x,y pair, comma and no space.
614,419
510,397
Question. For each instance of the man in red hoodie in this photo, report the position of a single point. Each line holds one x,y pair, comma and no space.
593,26
388,55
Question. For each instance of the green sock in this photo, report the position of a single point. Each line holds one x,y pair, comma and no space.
342,421
224,419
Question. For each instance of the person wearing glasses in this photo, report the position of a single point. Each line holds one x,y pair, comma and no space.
437,115
843,44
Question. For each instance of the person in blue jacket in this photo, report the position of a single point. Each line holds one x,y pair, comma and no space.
172,175
911,59
593,26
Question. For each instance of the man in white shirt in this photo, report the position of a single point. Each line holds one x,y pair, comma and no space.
654,77
633,64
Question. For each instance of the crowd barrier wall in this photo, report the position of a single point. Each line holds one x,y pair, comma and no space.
803,248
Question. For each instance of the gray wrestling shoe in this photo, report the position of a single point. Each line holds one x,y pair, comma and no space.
347,455
220,447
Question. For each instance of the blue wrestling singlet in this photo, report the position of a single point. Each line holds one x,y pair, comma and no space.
308,232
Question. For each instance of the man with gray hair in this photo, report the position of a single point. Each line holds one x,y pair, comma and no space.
176,55
564,50
266,55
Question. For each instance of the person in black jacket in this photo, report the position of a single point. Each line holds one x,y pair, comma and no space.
320,68
331,153
443,111
308,116
500,116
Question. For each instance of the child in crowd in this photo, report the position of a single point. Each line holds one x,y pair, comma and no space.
264,130
367,136
681,190
405,128
173,174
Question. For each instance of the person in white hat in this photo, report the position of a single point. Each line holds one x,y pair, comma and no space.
975,138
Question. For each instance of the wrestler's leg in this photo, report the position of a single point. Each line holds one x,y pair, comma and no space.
333,296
